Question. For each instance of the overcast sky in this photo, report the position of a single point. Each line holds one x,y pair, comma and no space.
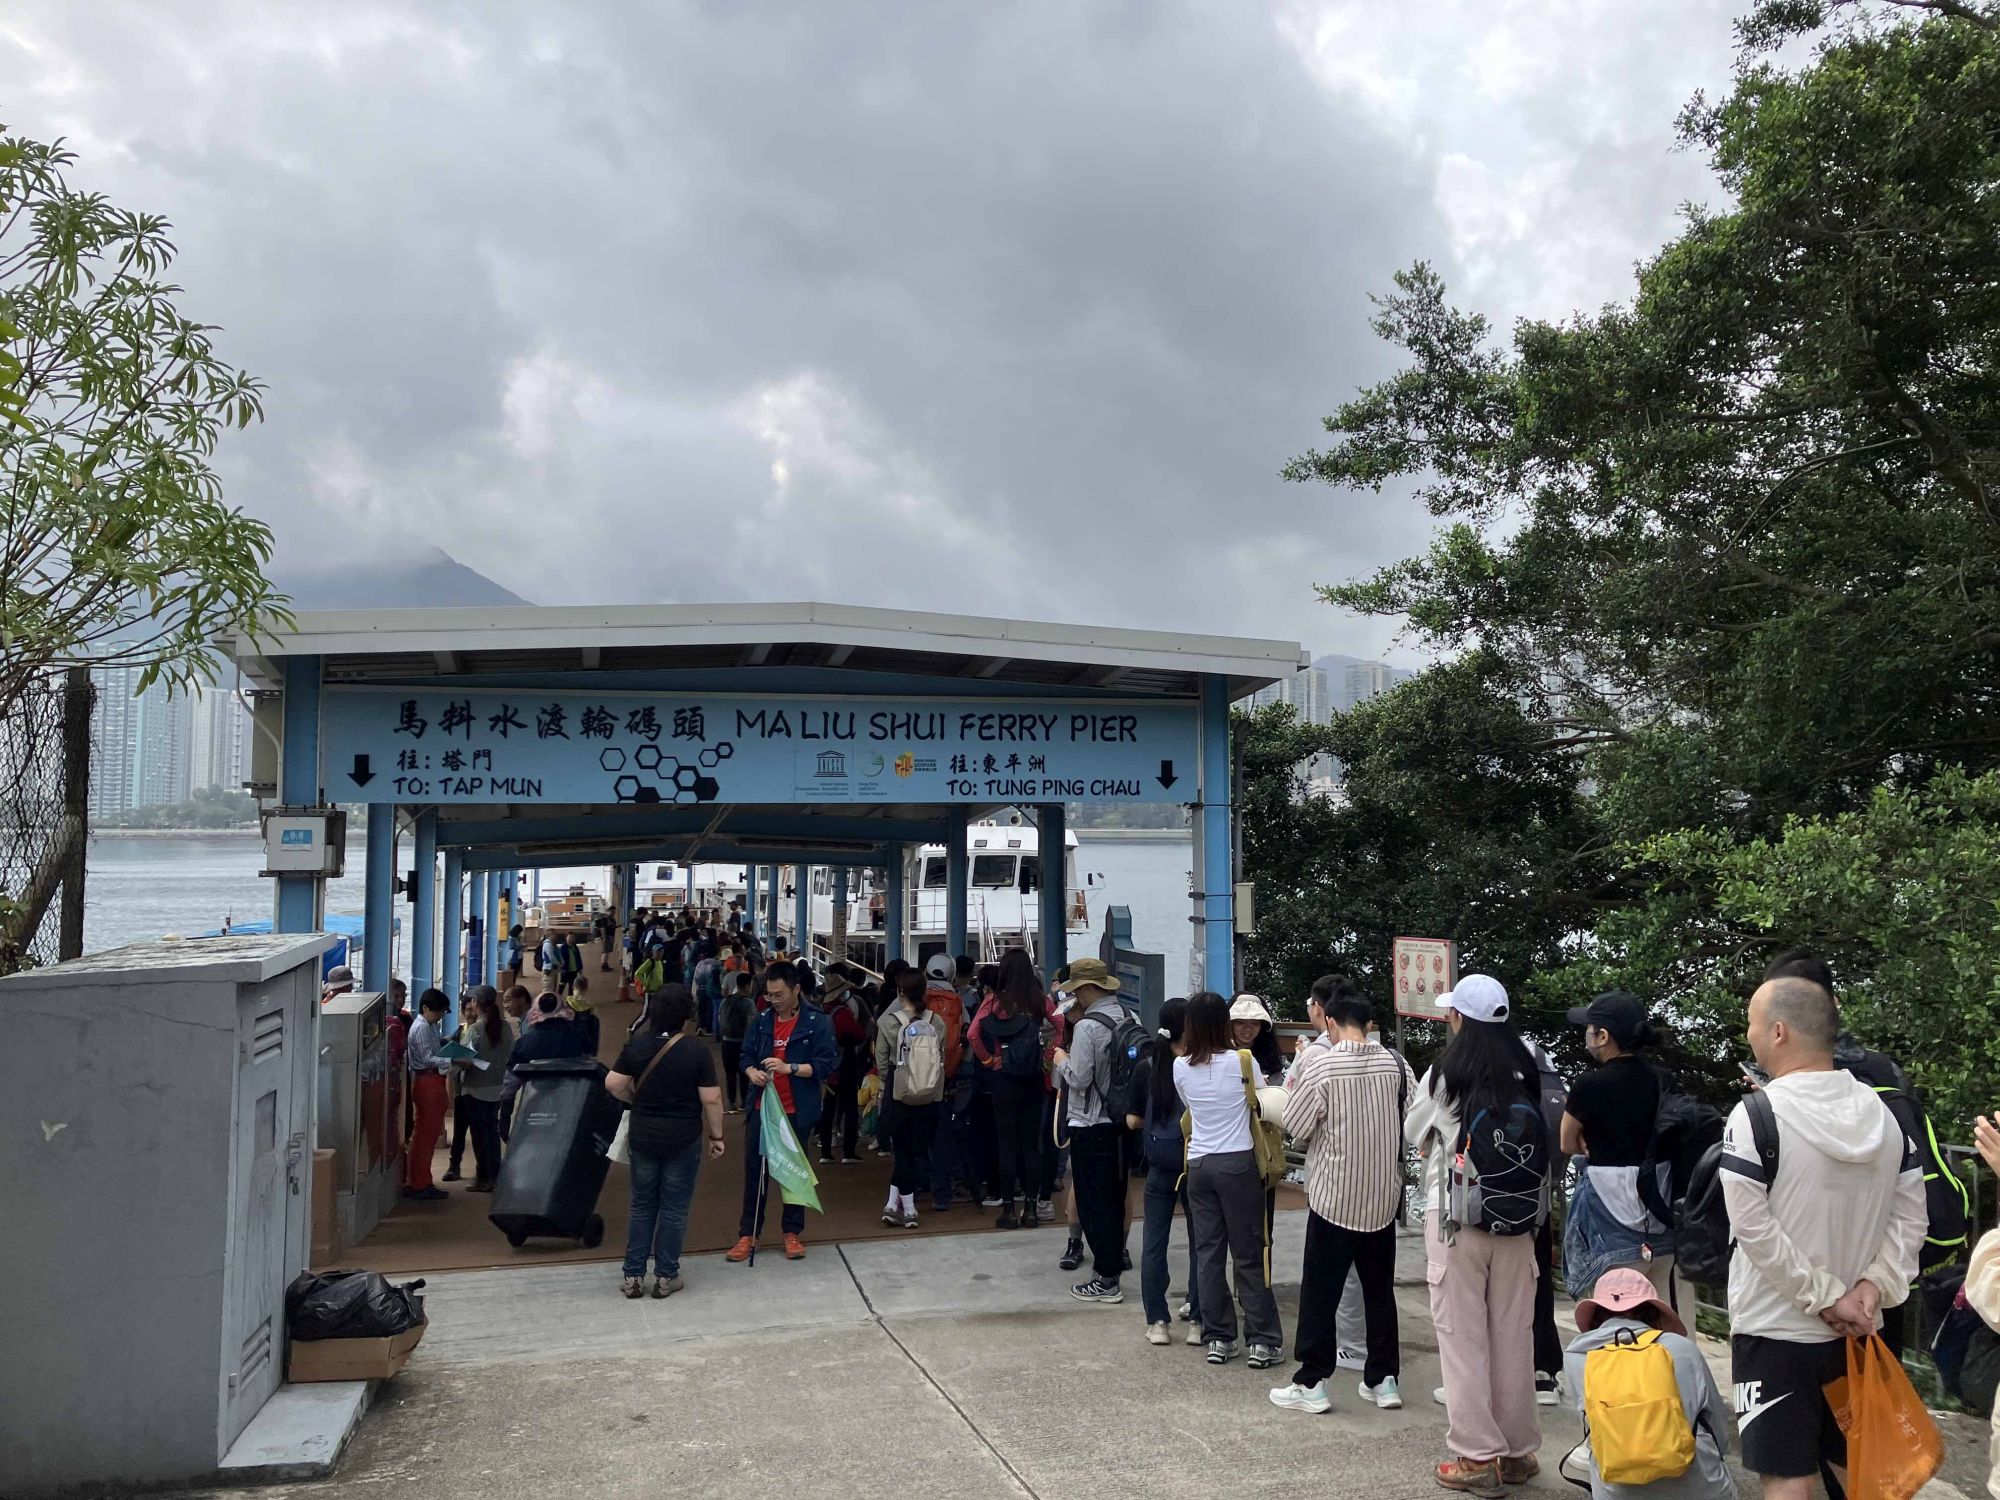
1008,309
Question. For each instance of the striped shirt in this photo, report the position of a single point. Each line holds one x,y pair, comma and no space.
1346,1106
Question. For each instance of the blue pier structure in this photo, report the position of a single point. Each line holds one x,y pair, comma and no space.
778,736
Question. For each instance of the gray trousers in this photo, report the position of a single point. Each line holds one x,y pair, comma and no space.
1226,1212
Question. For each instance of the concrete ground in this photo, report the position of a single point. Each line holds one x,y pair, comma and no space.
927,1367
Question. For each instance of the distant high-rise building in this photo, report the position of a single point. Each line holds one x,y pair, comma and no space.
140,743
220,740
1365,679
1306,691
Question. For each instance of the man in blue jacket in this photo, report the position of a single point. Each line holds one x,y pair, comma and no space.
790,1048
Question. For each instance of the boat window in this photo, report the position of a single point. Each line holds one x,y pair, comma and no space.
822,881
1031,872
934,873
992,872
664,873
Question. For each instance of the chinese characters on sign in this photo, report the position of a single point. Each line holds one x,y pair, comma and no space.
1424,969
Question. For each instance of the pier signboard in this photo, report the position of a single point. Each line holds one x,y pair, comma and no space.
437,746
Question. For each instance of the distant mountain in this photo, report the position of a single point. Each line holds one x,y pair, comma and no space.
432,579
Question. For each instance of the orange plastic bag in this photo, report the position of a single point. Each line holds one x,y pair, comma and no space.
1893,1446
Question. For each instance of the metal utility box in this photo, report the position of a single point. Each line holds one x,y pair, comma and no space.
156,1134
305,841
359,1111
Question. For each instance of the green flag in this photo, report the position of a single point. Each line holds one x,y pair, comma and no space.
797,1182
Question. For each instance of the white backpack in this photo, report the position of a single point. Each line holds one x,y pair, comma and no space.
920,1062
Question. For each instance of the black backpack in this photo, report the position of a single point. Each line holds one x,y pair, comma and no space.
1947,1204
1129,1045
1499,1177
1018,1044
1684,1130
1702,1239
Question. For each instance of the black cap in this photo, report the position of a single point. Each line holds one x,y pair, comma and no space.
1621,1014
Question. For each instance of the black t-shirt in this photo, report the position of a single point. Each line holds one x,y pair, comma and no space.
666,1117
1616,1104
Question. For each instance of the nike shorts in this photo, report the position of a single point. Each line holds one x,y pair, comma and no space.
1782,1419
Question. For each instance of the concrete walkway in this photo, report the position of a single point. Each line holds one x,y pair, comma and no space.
928,1367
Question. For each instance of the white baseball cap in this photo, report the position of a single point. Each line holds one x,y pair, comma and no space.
940,966
1478,997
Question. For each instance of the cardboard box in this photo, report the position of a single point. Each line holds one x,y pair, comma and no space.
325,1214
351,1359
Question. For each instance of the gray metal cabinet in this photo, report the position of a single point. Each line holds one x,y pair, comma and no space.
156,1132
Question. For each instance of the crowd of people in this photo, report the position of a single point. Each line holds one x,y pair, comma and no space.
987,1084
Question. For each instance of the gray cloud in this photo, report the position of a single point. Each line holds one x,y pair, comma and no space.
1010,310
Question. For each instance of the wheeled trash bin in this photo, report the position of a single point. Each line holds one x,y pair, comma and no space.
555,1164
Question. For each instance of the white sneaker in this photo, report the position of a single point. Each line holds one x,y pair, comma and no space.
1194,1338
1548,1389
1159,1333
1349,1359
1388,1395
1575,1465
1186,1311
1297,1397
1438,1395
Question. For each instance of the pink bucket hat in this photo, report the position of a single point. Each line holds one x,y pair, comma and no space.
1618,1293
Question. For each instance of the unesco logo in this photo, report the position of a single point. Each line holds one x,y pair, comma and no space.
832,765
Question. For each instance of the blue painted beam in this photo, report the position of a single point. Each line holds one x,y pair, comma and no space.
378,901
423,914
1052,822
754,680
896,919
301,898
1217,874
802,875
476,971
771,906
751,882
711,853
957,880
631,826
492,934
452,976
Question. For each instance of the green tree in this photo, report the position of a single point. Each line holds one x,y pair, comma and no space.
117,543
1733,547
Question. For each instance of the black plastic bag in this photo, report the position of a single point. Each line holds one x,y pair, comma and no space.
351,1305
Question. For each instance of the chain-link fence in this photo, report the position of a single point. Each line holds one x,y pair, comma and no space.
44,804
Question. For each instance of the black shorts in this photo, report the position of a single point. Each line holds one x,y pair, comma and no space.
1782,1417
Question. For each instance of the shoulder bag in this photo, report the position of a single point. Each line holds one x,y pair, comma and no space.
620,1148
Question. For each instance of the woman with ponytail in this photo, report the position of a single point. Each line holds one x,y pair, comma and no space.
1618,1213
1159,1132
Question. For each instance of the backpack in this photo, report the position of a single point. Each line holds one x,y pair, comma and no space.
1632,1411
1499,1175
1684,1128
1702,1241
1947,1205
1554,1092
1018,1044
919,1062
1129,1044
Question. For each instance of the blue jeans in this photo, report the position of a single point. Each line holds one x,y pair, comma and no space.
662,1189
1161,1196
1594,1241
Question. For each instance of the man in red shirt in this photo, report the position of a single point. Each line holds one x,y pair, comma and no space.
790,1048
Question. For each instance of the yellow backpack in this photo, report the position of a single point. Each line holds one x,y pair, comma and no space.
1632,1410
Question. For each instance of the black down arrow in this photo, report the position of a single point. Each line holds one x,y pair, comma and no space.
361,775
1167,777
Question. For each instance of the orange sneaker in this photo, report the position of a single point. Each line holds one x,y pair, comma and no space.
1471,1478
795,1248
740,1251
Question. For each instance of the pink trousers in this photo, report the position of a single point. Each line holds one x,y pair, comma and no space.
1483,1307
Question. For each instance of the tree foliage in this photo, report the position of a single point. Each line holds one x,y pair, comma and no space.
1733,547
115,542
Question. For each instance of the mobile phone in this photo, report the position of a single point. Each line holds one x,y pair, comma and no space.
1753,1075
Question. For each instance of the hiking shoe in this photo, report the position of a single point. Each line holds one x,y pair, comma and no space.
1519,1470
1072,1256
795,1248
1296,1397
1159,1333
1548,1389
1098,1290
1263,1356
909,1218
1387,1395
666,1286
1222,1351
634,1286
1008,1219
893,1217
1350,1359
1470,1478
740,1251
1194,1336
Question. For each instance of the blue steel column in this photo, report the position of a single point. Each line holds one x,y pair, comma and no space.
750,903
300,897
491,914
1054,824
771,908
1218,867
423,915
378,908
801,906
896,920
957,880
839,904
453,975
475,940
690,896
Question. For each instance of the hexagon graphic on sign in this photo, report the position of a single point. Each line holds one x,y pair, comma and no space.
612,759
